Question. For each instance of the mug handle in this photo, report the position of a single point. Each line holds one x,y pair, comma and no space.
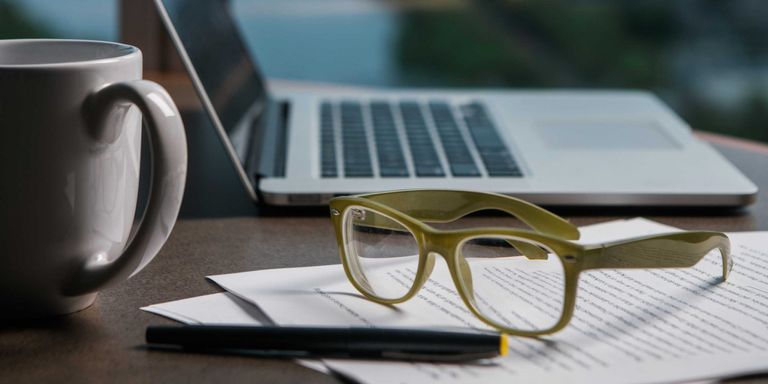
168,146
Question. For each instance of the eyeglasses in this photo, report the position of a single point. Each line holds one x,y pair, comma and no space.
522,282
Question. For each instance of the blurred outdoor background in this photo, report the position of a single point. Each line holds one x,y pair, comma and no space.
708,59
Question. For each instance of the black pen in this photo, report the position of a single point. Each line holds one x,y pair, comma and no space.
340,342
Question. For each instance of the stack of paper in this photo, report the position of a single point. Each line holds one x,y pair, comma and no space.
629,325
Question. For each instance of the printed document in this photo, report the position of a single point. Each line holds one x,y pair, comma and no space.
634,326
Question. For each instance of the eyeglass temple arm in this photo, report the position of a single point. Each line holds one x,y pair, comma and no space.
443,206
674,250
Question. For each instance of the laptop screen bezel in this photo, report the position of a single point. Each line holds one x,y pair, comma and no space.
247,176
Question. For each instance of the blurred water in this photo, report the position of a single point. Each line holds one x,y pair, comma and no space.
73,19
345,41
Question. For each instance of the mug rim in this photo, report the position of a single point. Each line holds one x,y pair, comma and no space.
122,52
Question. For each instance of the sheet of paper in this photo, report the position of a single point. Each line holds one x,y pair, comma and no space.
629,326
218,308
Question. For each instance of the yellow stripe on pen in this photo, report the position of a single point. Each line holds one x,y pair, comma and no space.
503,345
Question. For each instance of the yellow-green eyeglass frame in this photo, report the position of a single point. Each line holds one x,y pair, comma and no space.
415,208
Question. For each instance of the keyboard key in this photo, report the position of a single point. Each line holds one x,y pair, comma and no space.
393,172
429,171
465,170
496,157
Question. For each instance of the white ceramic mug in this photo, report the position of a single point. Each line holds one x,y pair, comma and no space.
70,138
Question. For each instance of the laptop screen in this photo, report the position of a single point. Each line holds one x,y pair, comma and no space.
226,70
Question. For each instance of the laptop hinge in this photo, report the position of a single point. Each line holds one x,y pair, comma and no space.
269,149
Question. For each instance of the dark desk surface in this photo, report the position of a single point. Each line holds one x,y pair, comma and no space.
219,233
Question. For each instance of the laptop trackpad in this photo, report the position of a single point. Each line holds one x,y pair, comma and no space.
604,134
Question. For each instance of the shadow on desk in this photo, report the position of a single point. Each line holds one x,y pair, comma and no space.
63,324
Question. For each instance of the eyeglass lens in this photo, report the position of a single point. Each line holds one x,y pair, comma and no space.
383,254
516,283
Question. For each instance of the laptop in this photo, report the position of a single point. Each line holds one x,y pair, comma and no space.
551,147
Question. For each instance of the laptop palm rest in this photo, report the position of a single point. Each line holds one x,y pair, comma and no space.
592,135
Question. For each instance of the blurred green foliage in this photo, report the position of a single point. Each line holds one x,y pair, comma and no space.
540,44
453,48
599,44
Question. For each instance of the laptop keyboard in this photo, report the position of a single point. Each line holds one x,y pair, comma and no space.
409,138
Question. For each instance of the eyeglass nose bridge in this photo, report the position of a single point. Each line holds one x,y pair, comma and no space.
437,243
432,246
461,273
444,247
